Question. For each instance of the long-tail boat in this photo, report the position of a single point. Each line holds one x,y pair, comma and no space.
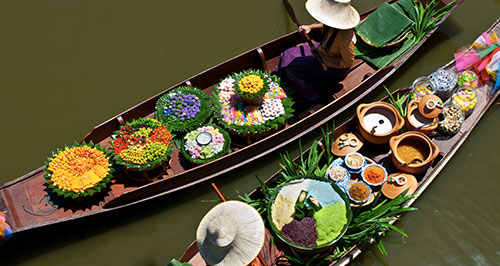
22,197
380,153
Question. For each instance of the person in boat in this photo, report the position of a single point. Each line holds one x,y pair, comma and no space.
303,72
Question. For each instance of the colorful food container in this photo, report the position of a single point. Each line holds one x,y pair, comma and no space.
468,79
445,81
466,99
453,117
423,86
282,210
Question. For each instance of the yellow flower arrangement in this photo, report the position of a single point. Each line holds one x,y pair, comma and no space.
78,168
251,84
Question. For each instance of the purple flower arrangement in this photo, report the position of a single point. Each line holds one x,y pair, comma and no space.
183,109
182,106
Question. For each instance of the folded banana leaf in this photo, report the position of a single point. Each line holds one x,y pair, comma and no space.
385,25
382,57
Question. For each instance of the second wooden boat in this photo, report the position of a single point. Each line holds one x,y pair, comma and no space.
381,153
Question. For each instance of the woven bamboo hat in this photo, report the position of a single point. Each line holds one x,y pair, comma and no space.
231,234
337,14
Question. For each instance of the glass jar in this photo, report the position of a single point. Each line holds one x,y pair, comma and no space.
445,81
466,99
423,86
468,79
452,119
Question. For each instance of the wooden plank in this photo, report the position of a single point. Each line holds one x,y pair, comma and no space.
354,78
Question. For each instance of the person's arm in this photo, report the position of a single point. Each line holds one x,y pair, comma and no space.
308,28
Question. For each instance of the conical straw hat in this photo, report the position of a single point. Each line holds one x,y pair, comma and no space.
337,14
231,234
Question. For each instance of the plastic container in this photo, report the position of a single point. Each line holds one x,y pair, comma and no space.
467,79
466,99
423,86
445,81
453,117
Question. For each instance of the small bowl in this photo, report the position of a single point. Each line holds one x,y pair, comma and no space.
374,165
357,201
426,83
342,183
203,138
355,170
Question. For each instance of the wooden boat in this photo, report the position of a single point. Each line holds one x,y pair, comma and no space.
23,196
448,146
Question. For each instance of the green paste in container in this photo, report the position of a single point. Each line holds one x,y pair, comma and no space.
329,222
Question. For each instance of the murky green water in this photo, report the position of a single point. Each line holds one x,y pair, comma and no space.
69,65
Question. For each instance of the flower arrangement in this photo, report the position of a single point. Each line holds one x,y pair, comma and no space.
205,144
142,143
183,108
251,84
79,170
246,119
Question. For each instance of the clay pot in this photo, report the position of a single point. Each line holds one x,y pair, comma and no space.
416,141
379,121
414,119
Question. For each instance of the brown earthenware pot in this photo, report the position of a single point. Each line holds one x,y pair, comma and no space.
379,121
414,120
409,162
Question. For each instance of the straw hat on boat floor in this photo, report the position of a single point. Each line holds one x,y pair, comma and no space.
231,234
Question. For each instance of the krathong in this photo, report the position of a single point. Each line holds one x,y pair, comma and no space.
205,144
79,170
184,108
273,110
142,143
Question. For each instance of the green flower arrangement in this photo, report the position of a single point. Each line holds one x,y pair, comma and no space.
247,120
251,84
205,144
79,170
142,144
183,109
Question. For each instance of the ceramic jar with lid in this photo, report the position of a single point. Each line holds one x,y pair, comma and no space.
413,152
416,121
378,121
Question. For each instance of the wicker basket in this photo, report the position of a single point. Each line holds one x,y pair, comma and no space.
388,44
251,101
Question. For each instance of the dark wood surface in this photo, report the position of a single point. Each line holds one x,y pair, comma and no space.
27,191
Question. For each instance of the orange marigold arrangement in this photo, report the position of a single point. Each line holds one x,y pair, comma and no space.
79,170
142,143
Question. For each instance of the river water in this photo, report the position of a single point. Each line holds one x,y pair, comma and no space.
69,65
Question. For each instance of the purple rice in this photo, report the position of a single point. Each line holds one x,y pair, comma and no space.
301,232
